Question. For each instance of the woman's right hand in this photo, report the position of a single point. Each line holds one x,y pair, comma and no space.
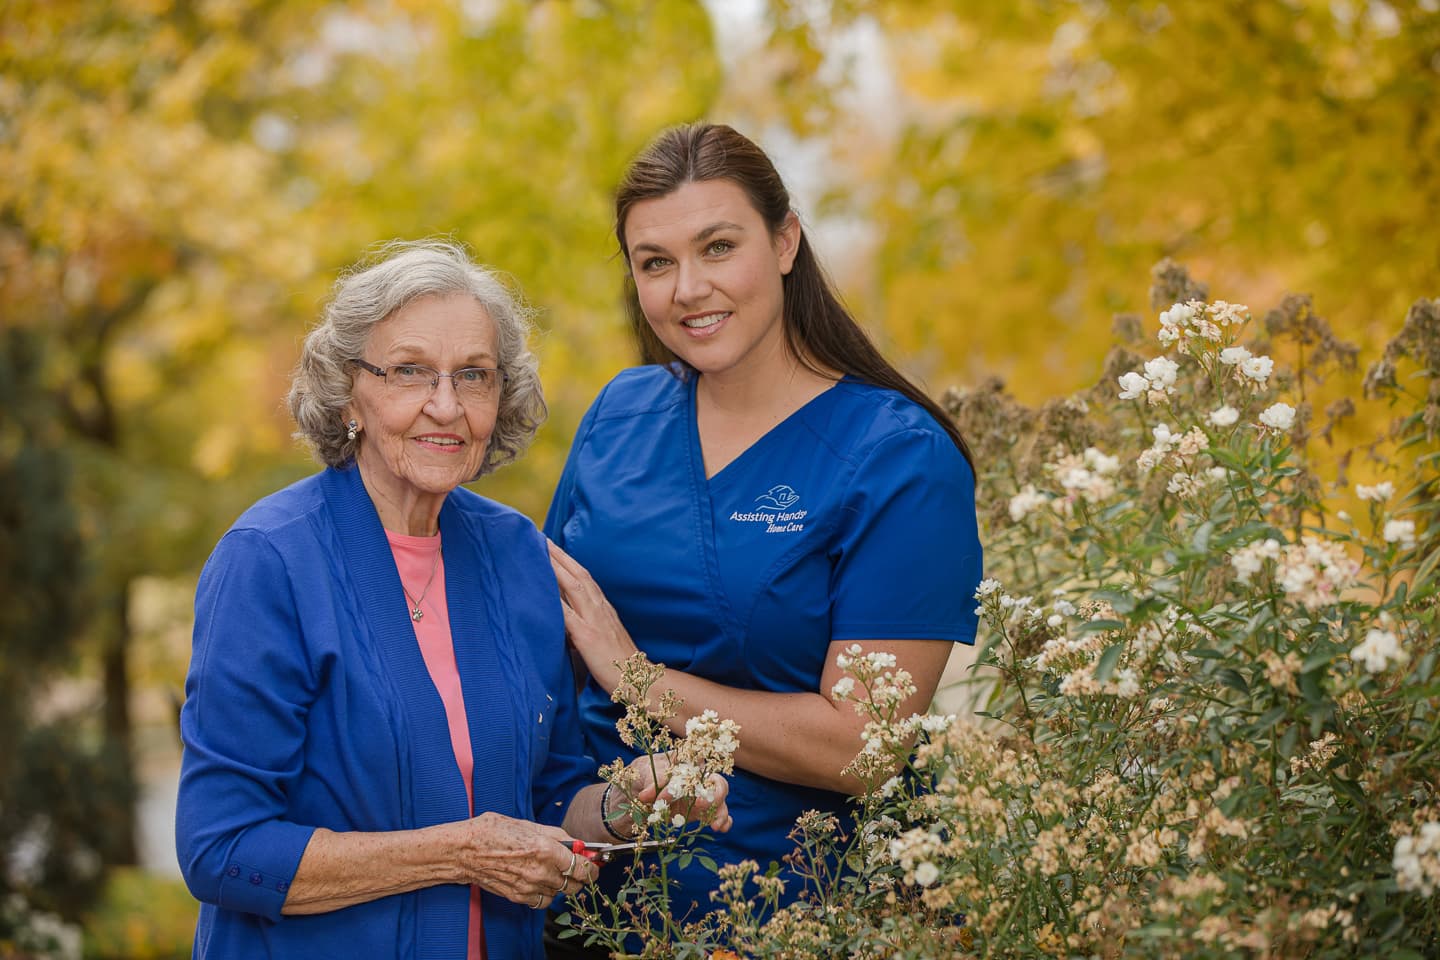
524,862
591,623
649,779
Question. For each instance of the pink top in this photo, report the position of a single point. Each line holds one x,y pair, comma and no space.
416,558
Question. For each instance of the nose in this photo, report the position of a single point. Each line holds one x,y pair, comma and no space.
444,405
692,285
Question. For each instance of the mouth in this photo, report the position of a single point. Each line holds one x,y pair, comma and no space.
702,321
443,441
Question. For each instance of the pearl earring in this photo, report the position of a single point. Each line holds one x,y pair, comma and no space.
354,430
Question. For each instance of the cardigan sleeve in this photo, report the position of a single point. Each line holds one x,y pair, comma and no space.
248,690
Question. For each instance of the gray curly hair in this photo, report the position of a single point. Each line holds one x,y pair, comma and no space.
370,291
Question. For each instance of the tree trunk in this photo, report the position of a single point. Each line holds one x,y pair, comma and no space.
119,730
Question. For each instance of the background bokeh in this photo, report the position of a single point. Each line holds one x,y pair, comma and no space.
990,182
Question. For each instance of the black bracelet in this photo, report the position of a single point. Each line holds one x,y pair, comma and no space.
605,815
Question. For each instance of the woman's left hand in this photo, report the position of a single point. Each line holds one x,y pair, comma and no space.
593,626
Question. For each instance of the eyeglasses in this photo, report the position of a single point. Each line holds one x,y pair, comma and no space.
471,384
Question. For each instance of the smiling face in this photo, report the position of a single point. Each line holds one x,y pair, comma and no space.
416,449
709,276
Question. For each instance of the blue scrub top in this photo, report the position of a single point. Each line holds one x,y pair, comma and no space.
853,519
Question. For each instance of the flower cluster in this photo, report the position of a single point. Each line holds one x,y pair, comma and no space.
1417,860
1313,572
1379,651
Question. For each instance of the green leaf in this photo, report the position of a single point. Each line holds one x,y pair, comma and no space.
1270,717
1232,678
1099,626
1106,665
1200,543
1122,602
1288,741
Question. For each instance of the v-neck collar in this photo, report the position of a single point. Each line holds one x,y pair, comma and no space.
697,449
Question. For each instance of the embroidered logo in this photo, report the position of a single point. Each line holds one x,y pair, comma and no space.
781,496
776,510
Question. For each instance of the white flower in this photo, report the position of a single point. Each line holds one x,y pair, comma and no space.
1177,316
1162,372
843,688
658,811
1401,532
987,587
1234,356
937,722
926,873
1227,313
1248,560
1278,416
1025,501
1378,493
1127,684
1378,650
1217,473
1133,385
1257,368
1100,462
1224,416
1417,860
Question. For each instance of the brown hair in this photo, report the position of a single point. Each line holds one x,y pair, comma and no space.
818,329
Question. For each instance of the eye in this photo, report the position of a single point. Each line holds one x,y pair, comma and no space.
652,264
475,375
407,370
718,247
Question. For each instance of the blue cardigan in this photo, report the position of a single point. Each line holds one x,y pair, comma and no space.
308,705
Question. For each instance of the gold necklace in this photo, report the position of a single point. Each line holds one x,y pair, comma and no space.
415,612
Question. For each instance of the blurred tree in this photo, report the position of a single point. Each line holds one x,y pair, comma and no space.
182,180
57,821
1034,158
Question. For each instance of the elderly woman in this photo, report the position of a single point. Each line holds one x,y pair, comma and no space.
381,744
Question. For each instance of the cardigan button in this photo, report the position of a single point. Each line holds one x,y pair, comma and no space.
233,871
256,879
283,885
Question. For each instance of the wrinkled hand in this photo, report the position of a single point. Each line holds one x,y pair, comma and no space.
524,862
649,779
591,623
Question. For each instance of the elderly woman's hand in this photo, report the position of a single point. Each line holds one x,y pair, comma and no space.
590,621
524,862
649,778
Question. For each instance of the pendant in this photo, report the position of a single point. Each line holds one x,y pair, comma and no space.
416,613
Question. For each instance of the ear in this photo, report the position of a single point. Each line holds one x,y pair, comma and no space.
787,242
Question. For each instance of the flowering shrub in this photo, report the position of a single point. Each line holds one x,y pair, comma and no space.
1212,722
640,914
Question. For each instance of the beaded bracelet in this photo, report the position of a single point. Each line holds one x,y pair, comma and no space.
605,815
